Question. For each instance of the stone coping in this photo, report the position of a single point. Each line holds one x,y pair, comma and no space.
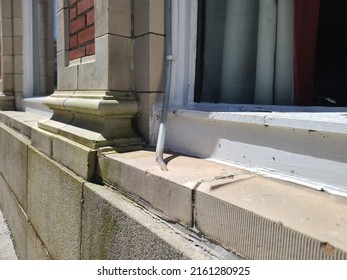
257,217
253,216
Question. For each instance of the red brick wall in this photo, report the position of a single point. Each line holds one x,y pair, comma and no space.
82,28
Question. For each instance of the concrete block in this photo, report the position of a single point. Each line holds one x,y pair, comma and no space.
88,76
6,8
116,228
7,30
74,156
17,26
7,46
22,122
7,62
62,30
6,102
15,218
13,162
35,248
17,8
149,63
113,17
67,75
148,17
17,45
170,192
120,17
120,66
261,218
7,82
18,64
18,82
42,140
54,205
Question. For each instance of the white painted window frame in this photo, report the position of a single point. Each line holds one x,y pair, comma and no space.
192,127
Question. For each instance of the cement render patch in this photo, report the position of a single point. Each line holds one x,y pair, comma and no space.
54,205
117,228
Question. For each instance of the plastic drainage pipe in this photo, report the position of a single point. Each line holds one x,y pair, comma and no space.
166,100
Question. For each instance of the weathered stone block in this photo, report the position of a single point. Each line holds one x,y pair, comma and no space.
13,162
148,17
15,217
35,248
149,63
120,63
116,228
54,205
170,192
113,17
67,78
261,218
42,140
74,156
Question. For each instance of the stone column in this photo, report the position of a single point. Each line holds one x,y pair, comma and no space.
94,103
39,50
11,76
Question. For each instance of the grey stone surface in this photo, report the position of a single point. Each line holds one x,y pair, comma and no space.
113,17
116,228
42,140
35,248
149,63
54,205
262,218
13,162
15,217
74,156
171,192
120,70
148,17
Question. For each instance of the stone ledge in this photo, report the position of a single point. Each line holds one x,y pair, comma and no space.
170,192
264,218
256,217
20,121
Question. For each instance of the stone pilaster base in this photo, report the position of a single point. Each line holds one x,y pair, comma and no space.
6,102
94,119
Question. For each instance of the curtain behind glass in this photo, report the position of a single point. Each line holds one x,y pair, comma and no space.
248,52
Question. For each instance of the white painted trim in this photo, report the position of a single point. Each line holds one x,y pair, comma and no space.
311,150
306,148
184,25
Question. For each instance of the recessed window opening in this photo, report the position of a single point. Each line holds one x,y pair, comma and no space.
284,52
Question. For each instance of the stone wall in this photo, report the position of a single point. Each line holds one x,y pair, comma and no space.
53,212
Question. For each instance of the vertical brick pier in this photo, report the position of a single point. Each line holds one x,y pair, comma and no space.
82,28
